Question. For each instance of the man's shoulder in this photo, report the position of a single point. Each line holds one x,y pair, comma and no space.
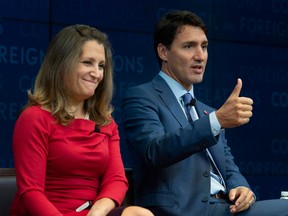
141,89
144,87
156,83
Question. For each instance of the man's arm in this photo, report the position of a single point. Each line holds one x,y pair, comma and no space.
156,135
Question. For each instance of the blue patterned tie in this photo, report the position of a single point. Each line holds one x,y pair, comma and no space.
187,98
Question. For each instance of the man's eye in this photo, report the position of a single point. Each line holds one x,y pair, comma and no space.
205,46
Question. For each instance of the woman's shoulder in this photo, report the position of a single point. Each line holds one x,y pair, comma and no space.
35,113
33,119
110,127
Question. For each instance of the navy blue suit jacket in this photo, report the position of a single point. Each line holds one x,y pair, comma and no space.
170,168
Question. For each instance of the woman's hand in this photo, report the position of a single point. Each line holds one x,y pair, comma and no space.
136,211
101,207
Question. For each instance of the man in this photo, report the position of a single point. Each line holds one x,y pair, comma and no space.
181,162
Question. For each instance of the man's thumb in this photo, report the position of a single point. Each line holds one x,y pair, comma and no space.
237,89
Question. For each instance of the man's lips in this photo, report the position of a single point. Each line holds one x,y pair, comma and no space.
197,68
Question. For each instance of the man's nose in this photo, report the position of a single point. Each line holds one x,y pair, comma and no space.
200,54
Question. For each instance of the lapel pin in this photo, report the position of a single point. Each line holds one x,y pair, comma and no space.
205,112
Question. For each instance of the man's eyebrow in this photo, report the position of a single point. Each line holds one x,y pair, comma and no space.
196,42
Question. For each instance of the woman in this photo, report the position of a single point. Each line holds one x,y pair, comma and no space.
65,142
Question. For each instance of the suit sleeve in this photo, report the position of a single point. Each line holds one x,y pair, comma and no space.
147,122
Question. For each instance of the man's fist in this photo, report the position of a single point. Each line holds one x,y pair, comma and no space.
236,110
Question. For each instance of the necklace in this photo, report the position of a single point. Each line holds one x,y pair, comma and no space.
72,114
87,116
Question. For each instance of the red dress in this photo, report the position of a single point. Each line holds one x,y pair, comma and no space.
58,168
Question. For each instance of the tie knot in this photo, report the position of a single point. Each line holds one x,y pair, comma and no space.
187,98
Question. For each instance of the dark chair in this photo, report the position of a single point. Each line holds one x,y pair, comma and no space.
7,189
129,198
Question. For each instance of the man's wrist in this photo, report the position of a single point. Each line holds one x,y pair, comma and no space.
214,123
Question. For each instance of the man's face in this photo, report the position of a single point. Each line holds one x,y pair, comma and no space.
186,59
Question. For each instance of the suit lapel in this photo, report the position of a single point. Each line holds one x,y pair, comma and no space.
200,109
167,96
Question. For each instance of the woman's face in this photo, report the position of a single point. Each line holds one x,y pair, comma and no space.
88,72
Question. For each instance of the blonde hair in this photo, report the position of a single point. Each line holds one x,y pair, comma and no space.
61,57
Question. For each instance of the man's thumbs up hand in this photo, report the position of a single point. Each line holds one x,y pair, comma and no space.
236,110
237,89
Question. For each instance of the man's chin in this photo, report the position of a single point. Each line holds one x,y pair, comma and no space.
197,80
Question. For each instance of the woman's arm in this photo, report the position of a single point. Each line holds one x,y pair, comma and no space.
30,149
113,182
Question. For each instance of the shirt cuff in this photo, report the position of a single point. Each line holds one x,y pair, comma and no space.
214,123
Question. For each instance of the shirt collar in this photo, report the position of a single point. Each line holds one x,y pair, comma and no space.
177,89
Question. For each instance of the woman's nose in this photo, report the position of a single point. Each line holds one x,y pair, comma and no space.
96,72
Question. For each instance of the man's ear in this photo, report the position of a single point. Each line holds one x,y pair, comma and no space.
162,52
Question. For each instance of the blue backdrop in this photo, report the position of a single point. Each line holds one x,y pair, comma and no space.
247,39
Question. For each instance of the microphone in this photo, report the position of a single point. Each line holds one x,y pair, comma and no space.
97,129
192,102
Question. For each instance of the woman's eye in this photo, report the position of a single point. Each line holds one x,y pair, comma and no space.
102,66
86,62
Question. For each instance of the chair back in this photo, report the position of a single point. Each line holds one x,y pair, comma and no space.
129,197
7,189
